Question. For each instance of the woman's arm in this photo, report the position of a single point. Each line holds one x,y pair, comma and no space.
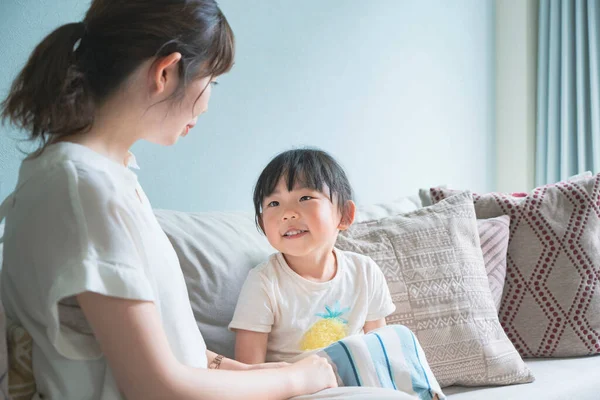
250,347
233,365
372,325
226,363
135,345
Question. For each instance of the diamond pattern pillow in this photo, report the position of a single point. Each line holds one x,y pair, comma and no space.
434,267
551,302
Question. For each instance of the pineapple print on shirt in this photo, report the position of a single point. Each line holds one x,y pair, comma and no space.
331,328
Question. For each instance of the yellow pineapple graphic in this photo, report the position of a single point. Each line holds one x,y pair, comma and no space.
328,330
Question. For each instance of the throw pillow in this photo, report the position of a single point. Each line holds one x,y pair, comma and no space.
21,382
493,236
434,267
551,303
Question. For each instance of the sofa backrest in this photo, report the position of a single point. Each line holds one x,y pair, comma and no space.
217,249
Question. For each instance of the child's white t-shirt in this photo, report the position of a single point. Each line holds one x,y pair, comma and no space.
301,315
79,222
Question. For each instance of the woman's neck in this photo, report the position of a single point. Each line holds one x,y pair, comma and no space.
114,131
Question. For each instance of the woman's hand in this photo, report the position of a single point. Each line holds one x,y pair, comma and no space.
312,374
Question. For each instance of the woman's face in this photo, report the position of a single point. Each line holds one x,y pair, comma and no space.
175,118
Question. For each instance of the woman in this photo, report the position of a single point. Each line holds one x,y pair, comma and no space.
87,271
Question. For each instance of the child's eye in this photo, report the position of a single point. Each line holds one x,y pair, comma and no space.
214,83
304,198
273,204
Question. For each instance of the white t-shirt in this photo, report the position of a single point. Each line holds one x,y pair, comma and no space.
300,315
79,222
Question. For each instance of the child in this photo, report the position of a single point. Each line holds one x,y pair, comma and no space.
310,294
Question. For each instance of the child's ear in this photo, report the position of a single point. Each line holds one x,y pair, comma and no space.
260,223
348,215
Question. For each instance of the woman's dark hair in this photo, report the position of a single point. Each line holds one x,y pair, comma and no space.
79,65
311,168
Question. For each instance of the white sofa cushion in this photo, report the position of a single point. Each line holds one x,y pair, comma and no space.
555,379
216,250
358,393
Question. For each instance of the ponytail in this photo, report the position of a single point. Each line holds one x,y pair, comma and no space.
51,97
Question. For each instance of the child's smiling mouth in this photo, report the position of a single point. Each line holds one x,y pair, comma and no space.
295,233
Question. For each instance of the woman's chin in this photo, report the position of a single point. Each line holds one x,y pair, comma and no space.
165,140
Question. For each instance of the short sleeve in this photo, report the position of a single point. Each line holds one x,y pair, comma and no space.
254,309
89,245
380,300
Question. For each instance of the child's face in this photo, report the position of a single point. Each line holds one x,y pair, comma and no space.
301,222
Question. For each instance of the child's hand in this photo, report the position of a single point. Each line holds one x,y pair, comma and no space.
312,374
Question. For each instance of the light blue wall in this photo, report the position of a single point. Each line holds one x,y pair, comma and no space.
401,92
23,24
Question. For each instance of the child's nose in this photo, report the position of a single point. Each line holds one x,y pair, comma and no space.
289,214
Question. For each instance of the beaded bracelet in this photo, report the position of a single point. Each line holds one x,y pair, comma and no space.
216,363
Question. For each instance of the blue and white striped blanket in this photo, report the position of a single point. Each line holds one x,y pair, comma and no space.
389,357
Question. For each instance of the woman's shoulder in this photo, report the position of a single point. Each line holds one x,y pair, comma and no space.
71,167
56,192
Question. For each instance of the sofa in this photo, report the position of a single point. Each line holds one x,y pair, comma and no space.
217,249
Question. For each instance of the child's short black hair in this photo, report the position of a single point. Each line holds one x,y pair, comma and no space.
313,168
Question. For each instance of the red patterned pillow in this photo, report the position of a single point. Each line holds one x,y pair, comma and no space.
551,301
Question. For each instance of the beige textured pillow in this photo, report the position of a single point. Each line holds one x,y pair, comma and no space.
434,267
21,382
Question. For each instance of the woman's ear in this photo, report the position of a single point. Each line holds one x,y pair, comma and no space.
348,215
164,74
